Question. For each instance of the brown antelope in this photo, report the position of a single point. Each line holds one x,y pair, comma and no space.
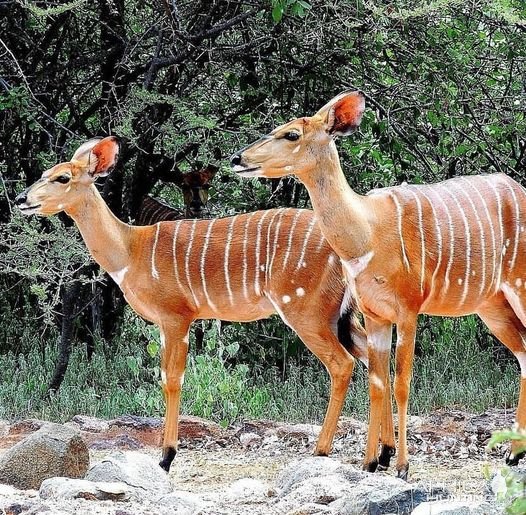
449,249
195,186
241,268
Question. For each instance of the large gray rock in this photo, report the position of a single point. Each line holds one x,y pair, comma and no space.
456,508
66,488
139,471
54,450
184,503
344,490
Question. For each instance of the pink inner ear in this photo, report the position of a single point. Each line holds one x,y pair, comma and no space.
106,153
348,113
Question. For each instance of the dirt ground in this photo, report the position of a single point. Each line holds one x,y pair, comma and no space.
448,449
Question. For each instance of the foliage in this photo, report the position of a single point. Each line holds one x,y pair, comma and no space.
184,83
512,486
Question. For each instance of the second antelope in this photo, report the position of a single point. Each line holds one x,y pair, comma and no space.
241,268
449,249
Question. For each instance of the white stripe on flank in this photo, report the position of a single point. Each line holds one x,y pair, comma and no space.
305,243
187,262
501,227
258,248
174,253
399,212
482,234
517,224
267,262
289,244
439,241
321,242
472,184
155,273
451,238
422,239
226,263
202,264
468,245
275,244
245,263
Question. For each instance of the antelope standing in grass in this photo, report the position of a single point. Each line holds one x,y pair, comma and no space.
241,268
195,186
450,249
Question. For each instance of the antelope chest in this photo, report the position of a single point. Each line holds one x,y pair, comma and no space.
373,286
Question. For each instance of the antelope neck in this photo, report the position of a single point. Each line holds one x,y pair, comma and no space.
107,238
341,212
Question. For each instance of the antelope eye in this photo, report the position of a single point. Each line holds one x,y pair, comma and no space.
292,136
62,179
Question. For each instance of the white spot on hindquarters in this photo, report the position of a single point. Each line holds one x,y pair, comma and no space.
503,251
297,149
163,342
514,301
119,275
262,268
286,299
473,272
507,242
332,259
304,264
163,376
459,280
181,381
356,266
300,292
518,282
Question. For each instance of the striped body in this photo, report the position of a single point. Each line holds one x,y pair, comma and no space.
153,210
239,268
458,241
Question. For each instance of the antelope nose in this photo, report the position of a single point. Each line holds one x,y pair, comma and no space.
21,198
235,160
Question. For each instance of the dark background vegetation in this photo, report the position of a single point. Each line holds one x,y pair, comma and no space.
185,83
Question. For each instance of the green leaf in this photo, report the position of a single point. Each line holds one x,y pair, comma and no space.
277,12
152,348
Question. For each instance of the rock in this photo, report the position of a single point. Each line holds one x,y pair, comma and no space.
309,509
122,441
455,508
300,470
306,432
195,428
247,488
249,440
29,425
138,423
139,471
183,503
66,488
54,450
90,424
4,428
346,490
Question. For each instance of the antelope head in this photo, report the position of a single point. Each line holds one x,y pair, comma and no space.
296,147
62,187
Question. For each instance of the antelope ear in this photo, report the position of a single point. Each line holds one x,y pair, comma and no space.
82,153
343,113
103,157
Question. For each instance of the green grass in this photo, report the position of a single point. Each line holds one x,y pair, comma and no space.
451,372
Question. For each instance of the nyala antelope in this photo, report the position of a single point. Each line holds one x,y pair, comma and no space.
449,249
195,186
241,268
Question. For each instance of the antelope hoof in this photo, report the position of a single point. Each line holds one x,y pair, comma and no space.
371,466
513,459
321,452
403,471
168,456
385,457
